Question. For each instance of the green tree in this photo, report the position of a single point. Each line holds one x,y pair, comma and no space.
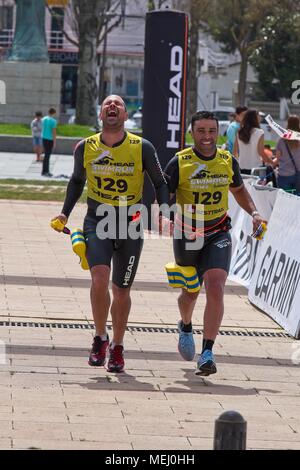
197,12
89,21
156,4
238,25
277,60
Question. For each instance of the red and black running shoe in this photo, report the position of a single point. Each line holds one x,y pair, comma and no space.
116,361
98,352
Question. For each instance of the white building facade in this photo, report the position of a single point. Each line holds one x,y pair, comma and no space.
124,51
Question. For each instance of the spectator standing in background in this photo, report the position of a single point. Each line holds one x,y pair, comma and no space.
249,144
288,158
36,130
49,125
235,126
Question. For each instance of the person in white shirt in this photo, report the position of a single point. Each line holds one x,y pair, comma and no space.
249,143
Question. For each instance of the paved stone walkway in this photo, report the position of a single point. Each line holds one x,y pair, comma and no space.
23,165
51,398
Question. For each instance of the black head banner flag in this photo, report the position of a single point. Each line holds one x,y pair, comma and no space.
165,74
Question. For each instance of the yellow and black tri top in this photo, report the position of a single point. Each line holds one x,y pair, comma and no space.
114,174
202,184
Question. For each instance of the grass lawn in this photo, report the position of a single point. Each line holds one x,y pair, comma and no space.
15,129
23,182
69,130
73,130
32,190
63,130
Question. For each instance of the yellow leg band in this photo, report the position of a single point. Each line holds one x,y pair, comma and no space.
79,247
183,277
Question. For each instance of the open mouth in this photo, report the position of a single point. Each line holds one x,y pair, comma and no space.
112,113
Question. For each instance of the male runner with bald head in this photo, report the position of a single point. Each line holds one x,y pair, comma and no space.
113,163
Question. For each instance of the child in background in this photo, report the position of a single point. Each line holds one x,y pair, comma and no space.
36,129
271,174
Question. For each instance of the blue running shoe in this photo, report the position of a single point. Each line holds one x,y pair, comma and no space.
206,364
186,344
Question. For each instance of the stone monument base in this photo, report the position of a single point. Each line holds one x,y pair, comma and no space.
30,87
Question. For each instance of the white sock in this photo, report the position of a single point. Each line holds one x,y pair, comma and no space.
102,337
113,344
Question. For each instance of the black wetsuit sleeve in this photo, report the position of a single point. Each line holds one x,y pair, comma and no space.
152,166
172,174
77,181
237,179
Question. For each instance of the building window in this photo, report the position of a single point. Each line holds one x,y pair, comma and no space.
57,23
69,87
132,82
6,25
132,88
118,81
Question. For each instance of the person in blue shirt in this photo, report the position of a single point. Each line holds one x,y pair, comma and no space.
234,126
49,125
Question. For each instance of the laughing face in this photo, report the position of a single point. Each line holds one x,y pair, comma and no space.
205,135
113,112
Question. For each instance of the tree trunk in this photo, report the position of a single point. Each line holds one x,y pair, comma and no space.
243,79
151,5
89,16
193,62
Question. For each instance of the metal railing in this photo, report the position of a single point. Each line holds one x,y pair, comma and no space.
6,37
55,39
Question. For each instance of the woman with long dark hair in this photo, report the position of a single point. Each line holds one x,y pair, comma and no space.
249,143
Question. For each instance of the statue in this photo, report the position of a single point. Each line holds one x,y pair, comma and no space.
29,44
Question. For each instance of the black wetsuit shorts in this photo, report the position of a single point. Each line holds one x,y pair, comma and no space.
215,253
124,253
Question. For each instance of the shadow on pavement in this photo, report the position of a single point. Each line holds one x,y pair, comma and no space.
85,283
144,355
192,384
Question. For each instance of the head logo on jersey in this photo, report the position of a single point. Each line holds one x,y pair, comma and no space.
103,158
200,172
114,175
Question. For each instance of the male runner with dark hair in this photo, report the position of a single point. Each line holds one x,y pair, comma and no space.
113,162
201,177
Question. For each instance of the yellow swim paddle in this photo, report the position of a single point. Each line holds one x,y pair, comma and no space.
260,231
77,239
183,277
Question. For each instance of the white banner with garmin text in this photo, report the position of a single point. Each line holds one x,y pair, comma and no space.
244,247
275,284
